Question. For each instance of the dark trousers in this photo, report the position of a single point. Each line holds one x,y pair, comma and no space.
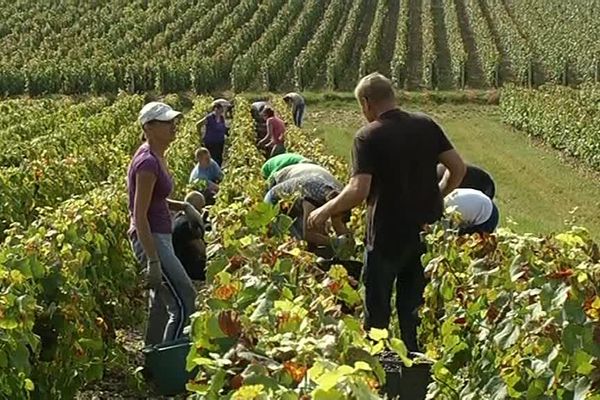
276,150
209,197
401,267
216,151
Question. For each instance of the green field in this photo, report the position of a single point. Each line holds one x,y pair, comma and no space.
538,190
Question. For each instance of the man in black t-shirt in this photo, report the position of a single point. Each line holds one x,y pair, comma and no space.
394,169
475,178
188,237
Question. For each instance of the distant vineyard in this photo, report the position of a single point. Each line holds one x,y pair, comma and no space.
203,45
566,119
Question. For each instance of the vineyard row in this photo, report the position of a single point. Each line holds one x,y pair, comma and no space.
273,44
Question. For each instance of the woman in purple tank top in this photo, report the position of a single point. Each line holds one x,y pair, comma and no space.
215,131
172,294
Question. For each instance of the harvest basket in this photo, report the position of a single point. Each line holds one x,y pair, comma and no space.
165,366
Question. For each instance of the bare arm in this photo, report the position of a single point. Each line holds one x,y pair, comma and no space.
339,227
144,182
312,235
355,192
267,139
201,122
264,140
176,205
200,125
455,173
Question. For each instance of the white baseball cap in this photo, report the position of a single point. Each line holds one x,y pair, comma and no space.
157,111
222,102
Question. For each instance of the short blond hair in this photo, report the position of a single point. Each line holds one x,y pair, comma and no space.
375,88
202,151
196,199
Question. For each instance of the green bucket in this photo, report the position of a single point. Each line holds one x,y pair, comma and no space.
165,366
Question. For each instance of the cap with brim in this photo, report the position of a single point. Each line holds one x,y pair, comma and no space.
157,111
221,102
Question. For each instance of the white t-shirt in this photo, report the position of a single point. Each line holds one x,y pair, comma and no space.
474,207
296,98
303,169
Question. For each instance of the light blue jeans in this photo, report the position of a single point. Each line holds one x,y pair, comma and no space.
298,113
172,304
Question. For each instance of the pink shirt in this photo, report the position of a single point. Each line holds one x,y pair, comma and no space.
277,130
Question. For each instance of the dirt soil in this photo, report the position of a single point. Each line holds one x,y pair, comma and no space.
121,382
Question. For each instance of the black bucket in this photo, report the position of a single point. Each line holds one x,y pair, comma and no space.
165,366
402,382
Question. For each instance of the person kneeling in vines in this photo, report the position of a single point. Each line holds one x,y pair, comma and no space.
274,141
309,192
188,237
